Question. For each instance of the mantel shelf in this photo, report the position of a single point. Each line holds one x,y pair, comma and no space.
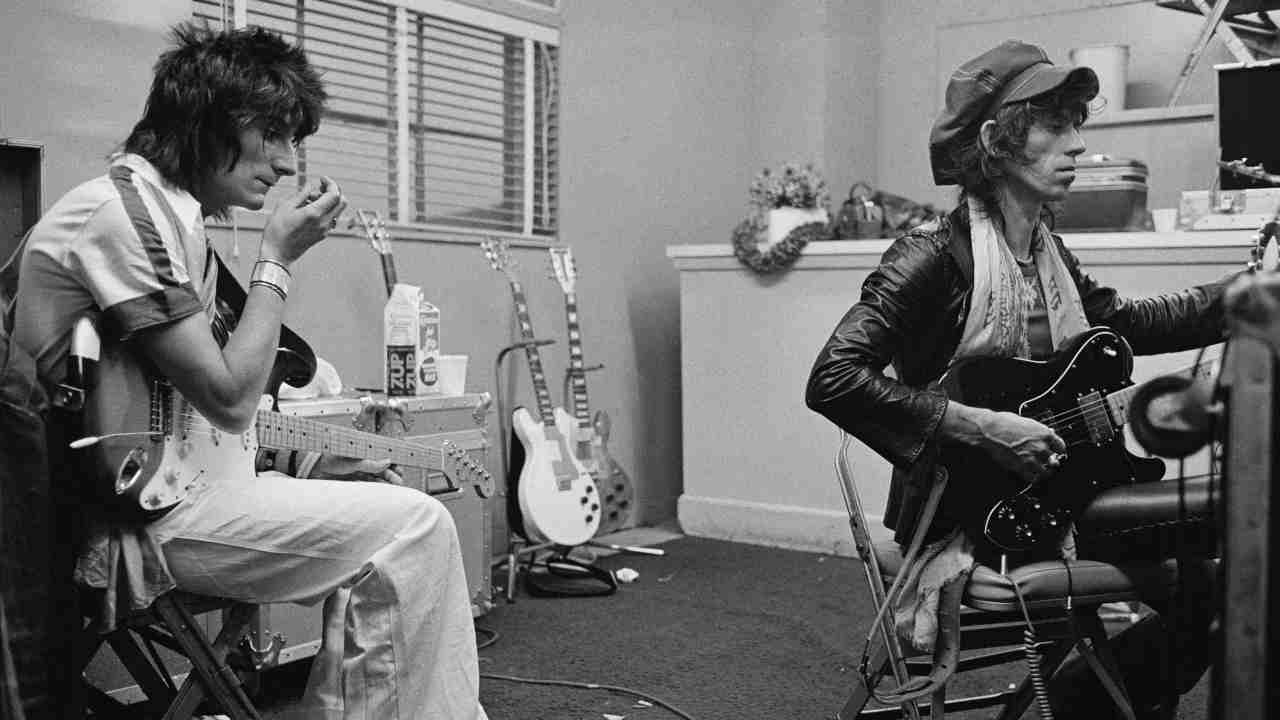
1141,116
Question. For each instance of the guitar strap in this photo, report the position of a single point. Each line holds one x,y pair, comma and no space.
295,360
300,365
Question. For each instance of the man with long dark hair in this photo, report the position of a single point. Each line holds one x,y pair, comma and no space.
223,118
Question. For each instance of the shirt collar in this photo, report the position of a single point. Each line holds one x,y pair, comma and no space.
184,204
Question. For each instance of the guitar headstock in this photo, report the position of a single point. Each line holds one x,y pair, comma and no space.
499,256
374,229
563,266
1255,172
463,470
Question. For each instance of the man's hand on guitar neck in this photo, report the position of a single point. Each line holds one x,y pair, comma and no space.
337,467
1019,444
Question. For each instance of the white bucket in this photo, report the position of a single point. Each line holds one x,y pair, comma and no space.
1111,63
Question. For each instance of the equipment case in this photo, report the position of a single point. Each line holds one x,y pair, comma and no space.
1109,194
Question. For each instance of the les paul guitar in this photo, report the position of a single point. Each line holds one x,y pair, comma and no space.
154,444
591,434
1083,393
557,499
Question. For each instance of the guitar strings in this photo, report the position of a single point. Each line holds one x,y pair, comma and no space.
194,421
1092,405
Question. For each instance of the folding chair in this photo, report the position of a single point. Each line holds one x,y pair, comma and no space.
171,622
993,628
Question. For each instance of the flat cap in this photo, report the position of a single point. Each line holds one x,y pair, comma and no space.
1010,72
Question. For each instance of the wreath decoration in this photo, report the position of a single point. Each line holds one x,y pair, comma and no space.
793,187
782,255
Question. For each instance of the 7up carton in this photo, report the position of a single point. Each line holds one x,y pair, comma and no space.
411,339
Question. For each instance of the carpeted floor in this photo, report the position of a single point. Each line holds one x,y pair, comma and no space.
718,630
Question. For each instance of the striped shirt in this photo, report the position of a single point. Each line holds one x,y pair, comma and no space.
126,247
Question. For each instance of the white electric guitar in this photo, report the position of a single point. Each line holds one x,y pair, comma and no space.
154,445
591,435
558,501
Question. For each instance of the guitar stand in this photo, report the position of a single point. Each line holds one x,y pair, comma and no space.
517,546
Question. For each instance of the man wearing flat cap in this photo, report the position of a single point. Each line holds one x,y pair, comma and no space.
991,280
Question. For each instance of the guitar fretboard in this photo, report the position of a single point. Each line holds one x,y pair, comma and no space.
577,374
1118,401
543,395
280,431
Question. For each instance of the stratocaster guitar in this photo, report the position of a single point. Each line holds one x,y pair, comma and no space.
557,498
154,444
376,231
590,434
1082,392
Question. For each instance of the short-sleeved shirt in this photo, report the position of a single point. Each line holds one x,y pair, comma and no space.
127,247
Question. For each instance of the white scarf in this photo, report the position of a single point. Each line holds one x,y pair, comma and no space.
996,325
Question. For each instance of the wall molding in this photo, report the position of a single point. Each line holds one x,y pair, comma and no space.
775,525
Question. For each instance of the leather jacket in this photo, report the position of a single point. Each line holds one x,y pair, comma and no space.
911,315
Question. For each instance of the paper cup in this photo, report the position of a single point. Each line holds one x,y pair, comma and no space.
453,374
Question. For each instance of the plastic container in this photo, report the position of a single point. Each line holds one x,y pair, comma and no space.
1109,194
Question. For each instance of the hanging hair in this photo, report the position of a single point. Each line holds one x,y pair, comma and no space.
212,85
978,167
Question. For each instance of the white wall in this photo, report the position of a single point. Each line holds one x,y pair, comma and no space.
922,41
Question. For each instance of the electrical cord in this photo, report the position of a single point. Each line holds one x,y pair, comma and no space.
1031,646
592,686
492,637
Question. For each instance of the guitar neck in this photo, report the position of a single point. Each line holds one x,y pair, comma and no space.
287,432
388,271
1118,401
545,411
577,370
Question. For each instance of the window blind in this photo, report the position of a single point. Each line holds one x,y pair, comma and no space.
467,140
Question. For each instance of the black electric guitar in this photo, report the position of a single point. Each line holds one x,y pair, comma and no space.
1082,392
591,434
376,231
557,499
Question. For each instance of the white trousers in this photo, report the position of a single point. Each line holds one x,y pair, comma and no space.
398,640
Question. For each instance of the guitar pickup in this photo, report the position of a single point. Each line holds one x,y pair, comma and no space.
1096,418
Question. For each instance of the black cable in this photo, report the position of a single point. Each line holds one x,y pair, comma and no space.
492,637
592,686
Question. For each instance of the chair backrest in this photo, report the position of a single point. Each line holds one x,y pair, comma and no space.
858,521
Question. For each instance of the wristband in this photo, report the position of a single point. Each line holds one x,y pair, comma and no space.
272,275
